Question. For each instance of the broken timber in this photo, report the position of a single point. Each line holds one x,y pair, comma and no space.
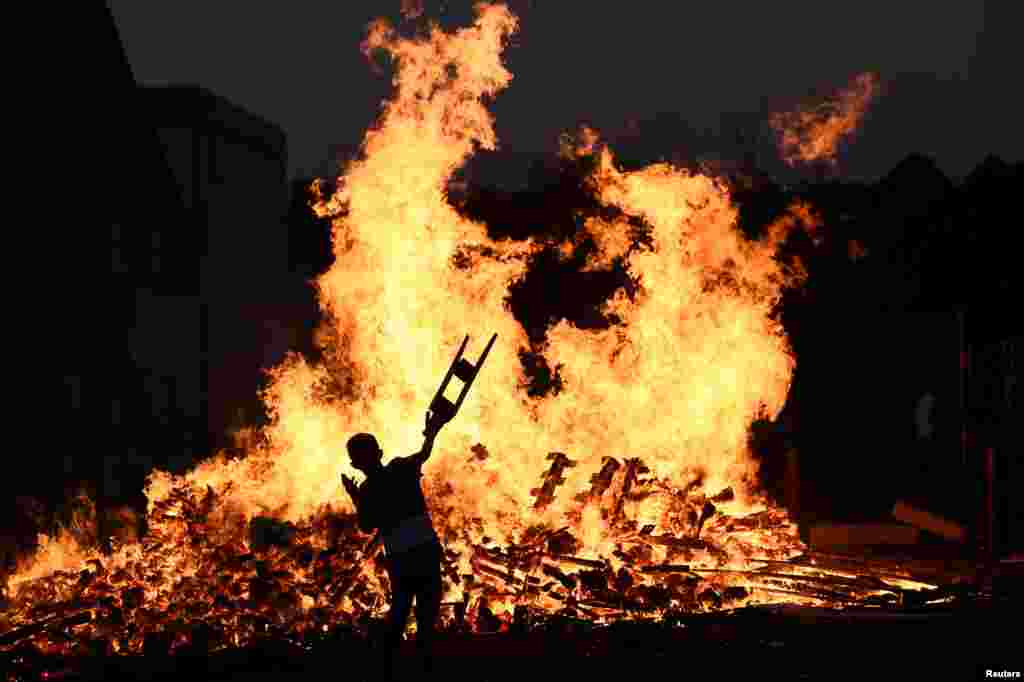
932,523
826,535
52,625
562,558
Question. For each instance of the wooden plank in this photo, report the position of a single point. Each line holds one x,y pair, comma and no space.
824,535
863,584
930,522
564,558
55,624
879,568
667,568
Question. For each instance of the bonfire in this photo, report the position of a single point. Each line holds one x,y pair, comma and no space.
631,493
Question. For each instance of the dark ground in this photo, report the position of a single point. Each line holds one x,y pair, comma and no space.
785,643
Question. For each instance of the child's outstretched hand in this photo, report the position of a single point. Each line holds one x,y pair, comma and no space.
350,487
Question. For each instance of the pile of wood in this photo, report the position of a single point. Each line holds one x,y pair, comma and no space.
265,576
204,576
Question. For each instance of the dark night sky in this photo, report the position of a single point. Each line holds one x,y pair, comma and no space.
946,67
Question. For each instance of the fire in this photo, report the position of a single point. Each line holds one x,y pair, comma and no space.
412,9
814,133
640,460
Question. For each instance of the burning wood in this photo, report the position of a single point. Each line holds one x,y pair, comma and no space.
552,479
670,541
679,568
562,542
726,495
790,593
600,482
706,512
553,571
589,563
634,467
55,625
288,575
322,572
496,573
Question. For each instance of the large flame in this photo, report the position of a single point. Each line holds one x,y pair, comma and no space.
680,381
695,358
814,133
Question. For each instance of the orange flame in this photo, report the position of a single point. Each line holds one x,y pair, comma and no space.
814,133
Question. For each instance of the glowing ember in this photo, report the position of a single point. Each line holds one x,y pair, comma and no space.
588,500
814,133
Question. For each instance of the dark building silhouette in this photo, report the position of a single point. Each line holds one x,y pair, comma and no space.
116,400
154,359
105,175
230,168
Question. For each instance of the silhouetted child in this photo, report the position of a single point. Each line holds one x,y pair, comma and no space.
391,500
